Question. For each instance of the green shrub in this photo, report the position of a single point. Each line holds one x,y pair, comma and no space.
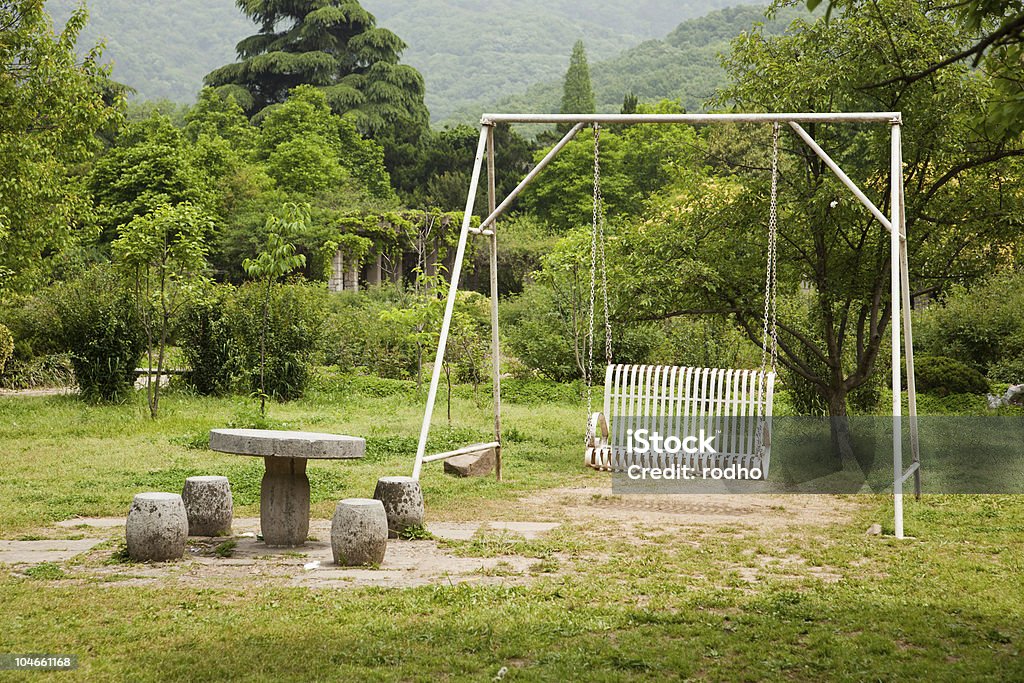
981,325
1009,370
944,376
34,323
705,341
205,342
370,385
358,338
539,331
294,336
100,329
30,372
6,347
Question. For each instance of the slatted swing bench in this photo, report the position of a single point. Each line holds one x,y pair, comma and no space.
733,405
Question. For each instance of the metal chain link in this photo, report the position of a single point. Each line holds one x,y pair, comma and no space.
599,205
588,371
770,333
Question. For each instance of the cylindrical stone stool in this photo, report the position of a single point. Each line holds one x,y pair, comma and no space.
403,503
208,506
157,527
359,532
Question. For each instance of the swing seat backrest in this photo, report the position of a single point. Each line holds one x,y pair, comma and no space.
734,406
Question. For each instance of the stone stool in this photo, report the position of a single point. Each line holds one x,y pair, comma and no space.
359,532
157,527
208,506
403,503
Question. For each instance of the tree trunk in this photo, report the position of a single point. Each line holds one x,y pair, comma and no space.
839,425
263,351
154,406
448,381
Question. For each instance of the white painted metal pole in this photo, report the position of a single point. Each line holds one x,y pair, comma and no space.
895,173
453,288
495,338
908,341
845,179
805,117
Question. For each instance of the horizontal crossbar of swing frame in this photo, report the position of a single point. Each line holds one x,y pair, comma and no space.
891,117
462,451
910,471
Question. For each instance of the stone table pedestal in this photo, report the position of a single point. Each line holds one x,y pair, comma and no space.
284,492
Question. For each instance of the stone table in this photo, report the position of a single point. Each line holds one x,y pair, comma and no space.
284,492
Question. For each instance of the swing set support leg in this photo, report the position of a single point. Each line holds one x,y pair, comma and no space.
486,135
449,308
495,338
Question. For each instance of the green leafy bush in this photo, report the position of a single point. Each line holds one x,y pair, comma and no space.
359,338
1009,370
29,372
544,333
34,323
944,376
705,341
6,347
295,329
206,342
981,325
100,329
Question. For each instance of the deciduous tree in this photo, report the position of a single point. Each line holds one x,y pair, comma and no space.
53,104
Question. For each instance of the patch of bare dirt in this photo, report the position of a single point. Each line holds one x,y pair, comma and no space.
433,561
763,511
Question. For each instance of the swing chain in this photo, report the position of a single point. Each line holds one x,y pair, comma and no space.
588,371
604,264
597,260
770,333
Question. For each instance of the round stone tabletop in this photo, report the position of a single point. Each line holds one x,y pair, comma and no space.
285,444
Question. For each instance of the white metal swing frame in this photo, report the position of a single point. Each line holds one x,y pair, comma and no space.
895,224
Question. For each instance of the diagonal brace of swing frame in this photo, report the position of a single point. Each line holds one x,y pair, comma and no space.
895,225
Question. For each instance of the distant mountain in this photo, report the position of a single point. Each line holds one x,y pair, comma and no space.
480,50
684,66
162,49
468,50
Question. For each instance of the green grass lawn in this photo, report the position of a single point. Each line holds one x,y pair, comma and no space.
665,602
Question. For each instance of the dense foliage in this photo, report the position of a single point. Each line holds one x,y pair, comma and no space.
334,45
99,328
982,326
6,347
997,45
289,342
53,104
943,376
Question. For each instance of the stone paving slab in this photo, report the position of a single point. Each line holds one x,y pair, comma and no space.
37,552
98,522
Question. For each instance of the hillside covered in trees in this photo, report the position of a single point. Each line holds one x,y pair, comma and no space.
684,66
476,52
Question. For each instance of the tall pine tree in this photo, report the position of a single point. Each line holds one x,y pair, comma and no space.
334,45
577,94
